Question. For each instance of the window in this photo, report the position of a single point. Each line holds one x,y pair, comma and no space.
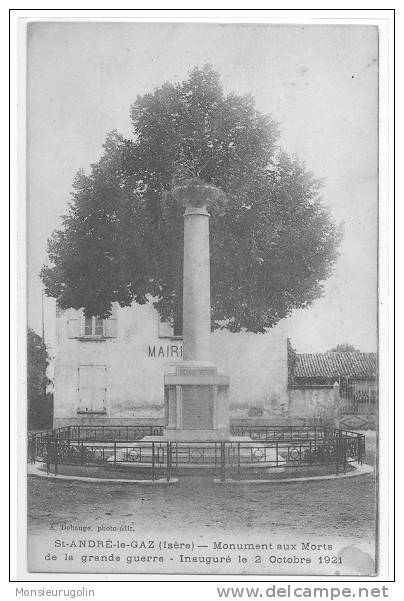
93,326
92,389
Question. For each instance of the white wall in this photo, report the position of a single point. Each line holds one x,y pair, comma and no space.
137,358
312,402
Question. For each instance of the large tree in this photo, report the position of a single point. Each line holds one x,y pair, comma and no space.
273,241
40,403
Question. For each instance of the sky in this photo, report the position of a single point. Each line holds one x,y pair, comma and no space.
319,82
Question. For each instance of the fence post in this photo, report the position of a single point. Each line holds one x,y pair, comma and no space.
222,461
168,461
82,453
337,451
359,447
153,462
31,449
114,454
344,447
48,452
56,456
326,445
238,459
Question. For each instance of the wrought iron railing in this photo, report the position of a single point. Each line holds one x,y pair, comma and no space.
107,433
358,401
301,448
131,433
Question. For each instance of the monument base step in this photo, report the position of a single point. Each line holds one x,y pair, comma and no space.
216,435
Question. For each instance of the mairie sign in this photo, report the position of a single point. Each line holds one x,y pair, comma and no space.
165,351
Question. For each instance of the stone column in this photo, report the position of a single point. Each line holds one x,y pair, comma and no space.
196,394
196,285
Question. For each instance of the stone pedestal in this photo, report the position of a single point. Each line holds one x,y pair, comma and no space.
196,395
196,403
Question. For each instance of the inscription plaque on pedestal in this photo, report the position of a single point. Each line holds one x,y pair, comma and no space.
197,407
196,371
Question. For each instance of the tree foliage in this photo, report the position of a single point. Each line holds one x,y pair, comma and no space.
273,242
344,347
40,406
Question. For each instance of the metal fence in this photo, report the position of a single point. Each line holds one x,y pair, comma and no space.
135,433
358,400
296,449
106,433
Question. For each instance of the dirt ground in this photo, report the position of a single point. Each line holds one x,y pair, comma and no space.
331,507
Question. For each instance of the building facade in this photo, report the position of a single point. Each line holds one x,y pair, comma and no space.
111,371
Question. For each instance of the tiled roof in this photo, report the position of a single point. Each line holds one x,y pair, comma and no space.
334,365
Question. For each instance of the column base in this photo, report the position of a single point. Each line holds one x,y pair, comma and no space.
196,402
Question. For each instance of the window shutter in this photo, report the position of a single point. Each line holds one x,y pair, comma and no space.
92,388
110,325
73,327
85,400
99,387
110,328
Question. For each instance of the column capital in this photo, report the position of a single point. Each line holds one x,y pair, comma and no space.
190,210
196,195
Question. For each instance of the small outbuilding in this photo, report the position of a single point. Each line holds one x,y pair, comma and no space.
313,375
